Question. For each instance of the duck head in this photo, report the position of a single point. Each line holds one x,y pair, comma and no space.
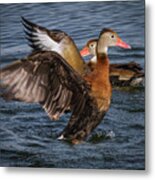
90,48
108,38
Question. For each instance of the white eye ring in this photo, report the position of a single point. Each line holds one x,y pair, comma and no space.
92,45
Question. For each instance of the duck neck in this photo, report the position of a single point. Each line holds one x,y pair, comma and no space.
102,59
101,47
102,56
103,63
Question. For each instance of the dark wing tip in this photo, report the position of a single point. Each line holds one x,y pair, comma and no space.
30,30
22,18
32,26
26,22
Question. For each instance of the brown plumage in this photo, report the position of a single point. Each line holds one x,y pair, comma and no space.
127,74
42,39
46,78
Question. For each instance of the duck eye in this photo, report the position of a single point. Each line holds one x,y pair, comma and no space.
91,45
112,36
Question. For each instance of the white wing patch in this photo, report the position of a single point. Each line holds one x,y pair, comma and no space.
39,38
42,39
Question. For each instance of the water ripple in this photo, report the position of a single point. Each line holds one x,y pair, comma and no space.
27,136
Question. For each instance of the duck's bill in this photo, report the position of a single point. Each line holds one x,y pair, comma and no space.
85,52
122,44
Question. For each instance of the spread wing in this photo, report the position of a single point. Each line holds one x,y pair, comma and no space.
41,38
46,78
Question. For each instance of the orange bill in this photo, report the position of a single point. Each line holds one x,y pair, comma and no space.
85,51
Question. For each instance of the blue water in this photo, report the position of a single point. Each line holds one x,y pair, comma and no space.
28,137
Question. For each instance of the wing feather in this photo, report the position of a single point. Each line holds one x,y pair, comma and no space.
40,38
46,78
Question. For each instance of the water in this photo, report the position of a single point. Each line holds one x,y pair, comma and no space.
28,137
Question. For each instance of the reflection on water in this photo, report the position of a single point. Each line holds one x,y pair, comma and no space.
28,137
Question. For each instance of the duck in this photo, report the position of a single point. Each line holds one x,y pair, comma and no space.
46,78
121,74
40,39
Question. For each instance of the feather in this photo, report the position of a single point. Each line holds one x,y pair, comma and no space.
46,78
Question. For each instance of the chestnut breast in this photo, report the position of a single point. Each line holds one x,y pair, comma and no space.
100,85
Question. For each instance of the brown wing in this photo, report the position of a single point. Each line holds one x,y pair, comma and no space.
133,66
41,38
126,75
46,78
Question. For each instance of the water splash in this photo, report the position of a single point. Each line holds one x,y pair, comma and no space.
102,136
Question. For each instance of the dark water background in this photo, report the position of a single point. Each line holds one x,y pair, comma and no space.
28,137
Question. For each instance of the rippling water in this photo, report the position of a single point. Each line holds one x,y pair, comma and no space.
28,137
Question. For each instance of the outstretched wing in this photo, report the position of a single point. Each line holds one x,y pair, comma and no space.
46,78
41,38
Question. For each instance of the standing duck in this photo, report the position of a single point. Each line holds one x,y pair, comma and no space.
46,78
127,74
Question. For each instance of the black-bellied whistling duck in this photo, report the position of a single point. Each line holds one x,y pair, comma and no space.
127,74
46,78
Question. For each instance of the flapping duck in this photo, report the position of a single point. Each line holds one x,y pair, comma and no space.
48,78
40,38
